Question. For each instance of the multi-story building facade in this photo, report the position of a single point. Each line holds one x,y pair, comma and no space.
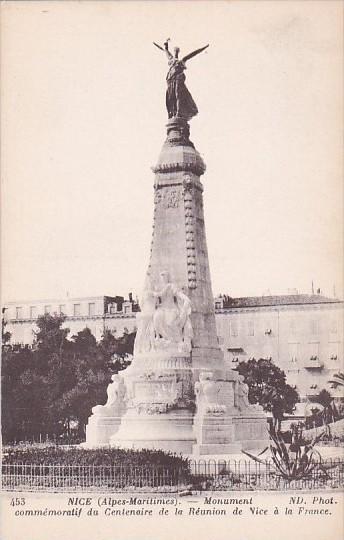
94,312
302,334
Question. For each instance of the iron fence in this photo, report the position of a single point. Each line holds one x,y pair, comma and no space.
219,475
203,475
44,477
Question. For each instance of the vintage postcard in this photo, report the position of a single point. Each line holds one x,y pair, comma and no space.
172,270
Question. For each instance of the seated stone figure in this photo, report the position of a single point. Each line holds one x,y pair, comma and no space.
171,319
115,398
164,322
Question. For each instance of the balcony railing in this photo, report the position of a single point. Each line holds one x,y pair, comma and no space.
313,363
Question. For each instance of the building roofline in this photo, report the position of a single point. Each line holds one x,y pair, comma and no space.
58,300
276,301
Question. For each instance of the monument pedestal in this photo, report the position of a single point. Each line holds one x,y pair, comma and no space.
171,431
160,403
100,429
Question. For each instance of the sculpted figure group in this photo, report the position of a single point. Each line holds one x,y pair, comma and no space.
164,322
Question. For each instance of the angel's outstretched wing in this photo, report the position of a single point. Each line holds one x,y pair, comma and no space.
192,54
161,48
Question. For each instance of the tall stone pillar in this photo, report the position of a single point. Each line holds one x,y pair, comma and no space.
179,241
178,395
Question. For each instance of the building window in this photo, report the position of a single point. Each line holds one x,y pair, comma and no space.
314,327
293,352
313,350
233,328
62,309
334,350
33,312
19,312
250,328
76,310
91,309
47,309
333,326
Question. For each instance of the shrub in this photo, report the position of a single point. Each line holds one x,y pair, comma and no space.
55,455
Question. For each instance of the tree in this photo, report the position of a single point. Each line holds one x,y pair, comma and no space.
53,362
118,351
59,380
91,376
16,400
325,399
268,387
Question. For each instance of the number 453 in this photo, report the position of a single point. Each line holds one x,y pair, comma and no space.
17,501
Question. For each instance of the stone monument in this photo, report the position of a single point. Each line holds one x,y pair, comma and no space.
178,394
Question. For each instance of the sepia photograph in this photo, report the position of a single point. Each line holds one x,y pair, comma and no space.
172,269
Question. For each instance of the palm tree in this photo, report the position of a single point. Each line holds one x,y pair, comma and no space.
337,380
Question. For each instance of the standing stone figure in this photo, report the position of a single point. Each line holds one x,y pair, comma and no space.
145,336
179,101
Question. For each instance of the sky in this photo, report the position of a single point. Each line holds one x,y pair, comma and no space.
83,122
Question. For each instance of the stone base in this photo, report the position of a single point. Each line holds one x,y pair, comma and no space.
171,431
210,449
250,431
100,429
229,434
157,410
254,444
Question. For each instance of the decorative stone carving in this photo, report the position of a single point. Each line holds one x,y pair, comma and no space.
241,397
157,392
171,319
172,198
152,408
157,196
164,322
189,230
207,394
105,419
242,394
116,394
145,336
187,182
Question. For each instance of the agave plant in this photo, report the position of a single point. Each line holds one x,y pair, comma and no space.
295,461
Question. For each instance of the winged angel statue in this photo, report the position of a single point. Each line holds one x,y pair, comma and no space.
179,101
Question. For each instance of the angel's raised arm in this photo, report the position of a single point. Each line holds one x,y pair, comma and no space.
165,49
